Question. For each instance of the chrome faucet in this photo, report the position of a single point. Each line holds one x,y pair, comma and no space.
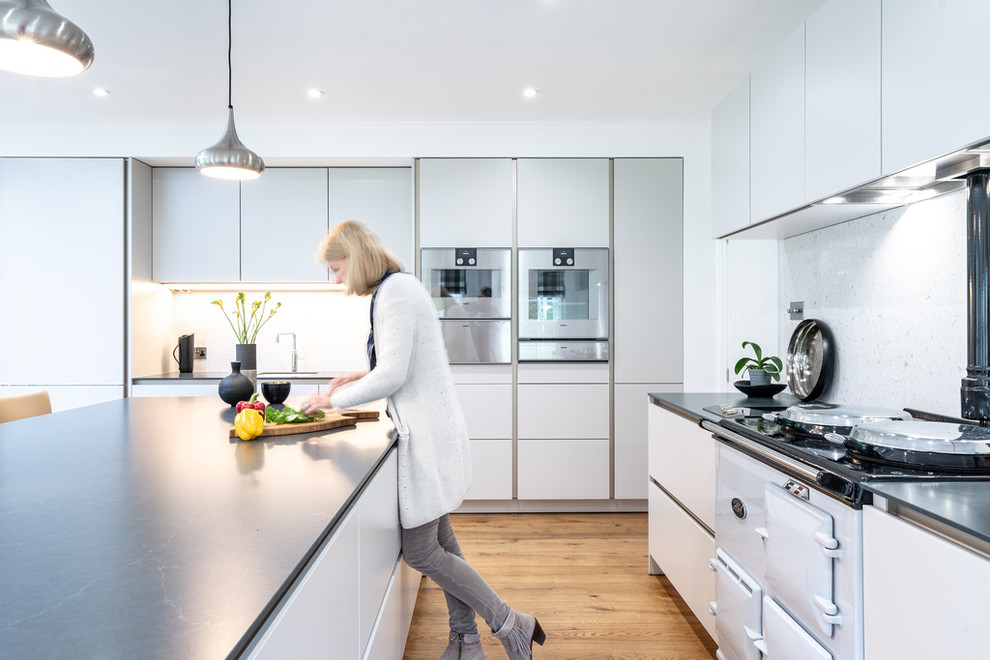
293,335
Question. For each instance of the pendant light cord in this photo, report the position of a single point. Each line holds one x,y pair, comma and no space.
230,68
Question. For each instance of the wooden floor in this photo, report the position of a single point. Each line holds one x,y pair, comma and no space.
583,575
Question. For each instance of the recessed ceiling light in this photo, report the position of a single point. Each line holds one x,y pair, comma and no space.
99,91
530,92
315,93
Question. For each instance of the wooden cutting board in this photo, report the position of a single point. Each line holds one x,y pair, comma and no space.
331,421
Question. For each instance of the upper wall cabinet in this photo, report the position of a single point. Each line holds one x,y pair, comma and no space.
283,220
382,199
196,227
563,202
777,130
935,96
465,202
730,161
843,96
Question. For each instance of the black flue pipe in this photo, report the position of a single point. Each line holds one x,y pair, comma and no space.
975,391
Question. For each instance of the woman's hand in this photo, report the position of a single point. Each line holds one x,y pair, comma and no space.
315,404
343,380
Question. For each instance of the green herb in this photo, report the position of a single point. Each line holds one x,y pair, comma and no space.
289,415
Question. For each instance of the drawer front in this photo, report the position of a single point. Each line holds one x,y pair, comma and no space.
487,409
682,460
491,470
683,550
563,469
563,411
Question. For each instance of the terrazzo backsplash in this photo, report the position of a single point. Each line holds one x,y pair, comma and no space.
331,330
892,289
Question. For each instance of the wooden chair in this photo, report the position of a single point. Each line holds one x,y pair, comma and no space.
26,405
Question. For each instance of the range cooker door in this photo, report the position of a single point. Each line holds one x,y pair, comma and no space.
799,549
738,622
785,639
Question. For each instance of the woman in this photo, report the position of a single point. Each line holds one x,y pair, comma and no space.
409,367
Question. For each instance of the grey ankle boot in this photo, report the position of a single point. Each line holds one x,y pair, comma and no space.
464,647
518,633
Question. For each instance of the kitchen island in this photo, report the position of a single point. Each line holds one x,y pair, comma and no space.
139,528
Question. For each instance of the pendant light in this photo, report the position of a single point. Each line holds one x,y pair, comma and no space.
229,158
37,41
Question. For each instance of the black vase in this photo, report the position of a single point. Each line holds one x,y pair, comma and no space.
235,387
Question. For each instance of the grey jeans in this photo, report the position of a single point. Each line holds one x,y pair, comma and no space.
432,549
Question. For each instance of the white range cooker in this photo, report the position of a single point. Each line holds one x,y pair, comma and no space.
788,518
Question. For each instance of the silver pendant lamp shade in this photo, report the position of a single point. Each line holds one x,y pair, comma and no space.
229,158
36,41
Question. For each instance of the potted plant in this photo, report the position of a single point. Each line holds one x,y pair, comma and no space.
762,367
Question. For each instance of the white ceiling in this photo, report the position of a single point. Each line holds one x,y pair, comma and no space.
400,60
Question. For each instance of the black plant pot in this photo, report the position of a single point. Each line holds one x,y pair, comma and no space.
235,387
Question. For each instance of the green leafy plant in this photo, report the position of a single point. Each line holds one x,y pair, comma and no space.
245,325
768,363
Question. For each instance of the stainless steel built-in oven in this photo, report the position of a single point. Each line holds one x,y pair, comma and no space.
563,304
472,290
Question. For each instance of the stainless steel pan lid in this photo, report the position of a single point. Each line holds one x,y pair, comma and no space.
937,446
819,418
810,360
919,436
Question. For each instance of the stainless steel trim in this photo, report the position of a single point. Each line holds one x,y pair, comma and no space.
777,458
680,504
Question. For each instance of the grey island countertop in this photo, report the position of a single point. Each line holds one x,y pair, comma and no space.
137,528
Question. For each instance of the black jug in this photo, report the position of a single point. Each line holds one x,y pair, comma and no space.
185,347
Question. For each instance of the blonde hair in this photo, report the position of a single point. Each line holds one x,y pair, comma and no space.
367,257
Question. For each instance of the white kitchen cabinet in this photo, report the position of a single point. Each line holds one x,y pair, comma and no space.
562,202
487,411
62,264
380,543
681,549
563,441
842,96
283,217
682,462
563,469
563,411
381,198
730,161
465,202
196,227
777,131
933,97
648,338
631,405
923,596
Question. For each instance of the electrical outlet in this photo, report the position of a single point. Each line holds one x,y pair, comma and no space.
200,352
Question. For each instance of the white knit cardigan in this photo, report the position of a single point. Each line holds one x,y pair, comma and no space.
413,373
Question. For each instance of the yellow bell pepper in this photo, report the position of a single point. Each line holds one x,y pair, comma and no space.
249,424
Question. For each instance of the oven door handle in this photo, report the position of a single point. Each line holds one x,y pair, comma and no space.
829,544
791,464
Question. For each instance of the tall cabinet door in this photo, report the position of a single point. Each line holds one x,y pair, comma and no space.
381,198
62,265
730,161
196,227
465,202
563,202
283,220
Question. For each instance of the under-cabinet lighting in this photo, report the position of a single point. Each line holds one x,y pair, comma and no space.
99,91
530,92
315,93
247,287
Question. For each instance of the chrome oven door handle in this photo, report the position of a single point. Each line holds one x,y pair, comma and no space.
789,463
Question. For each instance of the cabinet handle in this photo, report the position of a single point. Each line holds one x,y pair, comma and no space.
829,544
713,608
713,565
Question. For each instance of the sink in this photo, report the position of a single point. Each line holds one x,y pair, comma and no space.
285,374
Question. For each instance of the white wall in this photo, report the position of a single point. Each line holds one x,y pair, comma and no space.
398,143
892,289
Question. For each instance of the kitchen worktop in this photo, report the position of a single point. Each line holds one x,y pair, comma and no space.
964,506
691,405
137,528
207,376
